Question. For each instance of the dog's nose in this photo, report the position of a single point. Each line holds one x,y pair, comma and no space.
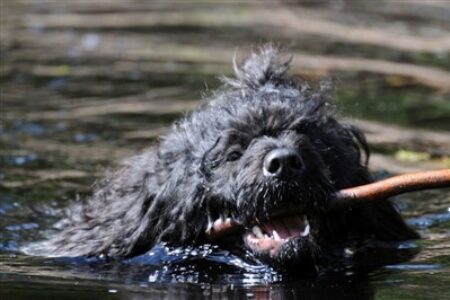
282,162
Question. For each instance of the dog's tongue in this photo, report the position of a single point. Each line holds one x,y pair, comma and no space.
286,227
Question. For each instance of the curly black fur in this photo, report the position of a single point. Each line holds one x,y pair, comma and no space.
210,165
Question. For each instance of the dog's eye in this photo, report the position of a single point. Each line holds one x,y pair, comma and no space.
234,155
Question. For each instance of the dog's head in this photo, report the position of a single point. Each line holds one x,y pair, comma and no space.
266,152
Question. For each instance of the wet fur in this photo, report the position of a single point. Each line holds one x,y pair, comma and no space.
210,166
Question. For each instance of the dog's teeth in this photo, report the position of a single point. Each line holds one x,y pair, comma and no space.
218,222
266,236
275,235
306,231
258,232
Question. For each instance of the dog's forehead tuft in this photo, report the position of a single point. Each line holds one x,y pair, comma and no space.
264,66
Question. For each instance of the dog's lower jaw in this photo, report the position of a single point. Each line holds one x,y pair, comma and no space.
297,256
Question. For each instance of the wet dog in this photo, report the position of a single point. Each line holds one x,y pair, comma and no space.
265,151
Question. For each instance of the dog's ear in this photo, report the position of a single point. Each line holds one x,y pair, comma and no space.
379,219
177,212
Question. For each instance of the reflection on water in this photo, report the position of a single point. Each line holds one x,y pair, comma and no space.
42,287
84,84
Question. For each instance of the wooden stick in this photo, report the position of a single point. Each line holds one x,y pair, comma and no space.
396,185
370,192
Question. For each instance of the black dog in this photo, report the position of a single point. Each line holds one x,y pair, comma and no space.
265,151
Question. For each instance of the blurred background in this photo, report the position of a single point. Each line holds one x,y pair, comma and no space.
85,83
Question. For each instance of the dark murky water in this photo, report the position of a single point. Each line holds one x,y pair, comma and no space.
83,85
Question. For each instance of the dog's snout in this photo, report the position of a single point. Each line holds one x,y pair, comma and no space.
282,162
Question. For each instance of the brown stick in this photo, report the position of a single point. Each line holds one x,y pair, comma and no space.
395,186
378,190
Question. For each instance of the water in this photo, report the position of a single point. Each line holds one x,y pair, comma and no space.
77,96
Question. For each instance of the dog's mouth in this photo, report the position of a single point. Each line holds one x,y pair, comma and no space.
264,237
268,237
